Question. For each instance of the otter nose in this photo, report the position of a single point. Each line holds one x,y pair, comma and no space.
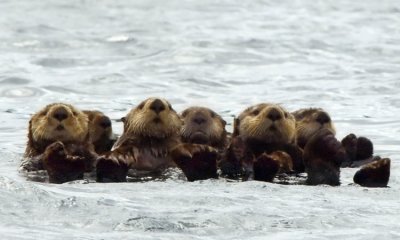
157,106
274,114
105,122
199,120
323,117
60,114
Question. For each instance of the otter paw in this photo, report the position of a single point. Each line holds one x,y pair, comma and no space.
323,155
375,174
265,168
238,160
60,166
358,149
198,162
108,170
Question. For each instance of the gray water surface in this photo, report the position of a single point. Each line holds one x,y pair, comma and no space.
343,56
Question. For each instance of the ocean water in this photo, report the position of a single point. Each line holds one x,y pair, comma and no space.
343,56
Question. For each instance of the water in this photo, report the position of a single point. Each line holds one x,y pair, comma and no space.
109,55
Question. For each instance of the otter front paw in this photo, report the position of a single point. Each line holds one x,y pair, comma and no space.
108,170
265,168
359,150
198,162
60,166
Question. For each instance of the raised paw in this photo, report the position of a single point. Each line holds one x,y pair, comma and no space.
111,170
60,166
198,162
265,168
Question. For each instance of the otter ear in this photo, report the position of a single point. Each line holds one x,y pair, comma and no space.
223,122
123,119
236,123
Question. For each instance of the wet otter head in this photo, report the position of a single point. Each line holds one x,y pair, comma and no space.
154,117
58,122
203,126
309,121
99,125
268,123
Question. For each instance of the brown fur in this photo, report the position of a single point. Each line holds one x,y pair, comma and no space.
359,150
203,126
375,174
57,122
261,129
309,121
323,155
100,130
151,132
255,123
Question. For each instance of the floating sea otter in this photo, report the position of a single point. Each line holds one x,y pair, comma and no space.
260,131
59,142
150,142
202,126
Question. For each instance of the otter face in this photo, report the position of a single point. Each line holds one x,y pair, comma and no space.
268,123
203,126
59,122
99,125
309,121
154,117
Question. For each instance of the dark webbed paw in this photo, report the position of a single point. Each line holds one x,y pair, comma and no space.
60,166
198,162
108,170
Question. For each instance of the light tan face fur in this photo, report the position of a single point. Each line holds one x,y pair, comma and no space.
256,123
202,121
307,123
144,121
72,124
97,129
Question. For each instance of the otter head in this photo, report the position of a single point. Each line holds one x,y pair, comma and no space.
58,122
203,126
154,118
309,121
99,125
268,123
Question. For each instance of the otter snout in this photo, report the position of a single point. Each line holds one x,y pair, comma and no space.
157,106
274,115
60,114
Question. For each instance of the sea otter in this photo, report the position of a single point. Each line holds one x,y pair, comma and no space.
57,125
259,131
374,174
100,130
150,142
309,121
323,155
203,126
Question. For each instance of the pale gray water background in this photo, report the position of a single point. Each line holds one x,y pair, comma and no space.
343,56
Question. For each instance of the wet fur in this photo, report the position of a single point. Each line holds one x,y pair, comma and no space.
101,136
307,124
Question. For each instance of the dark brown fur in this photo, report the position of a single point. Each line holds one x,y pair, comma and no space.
359,150
100,129
375,174
309,121
323,155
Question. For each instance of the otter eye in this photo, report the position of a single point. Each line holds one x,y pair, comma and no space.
255,112
286,115
170,107
43,113
184,113
213,114
74,113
